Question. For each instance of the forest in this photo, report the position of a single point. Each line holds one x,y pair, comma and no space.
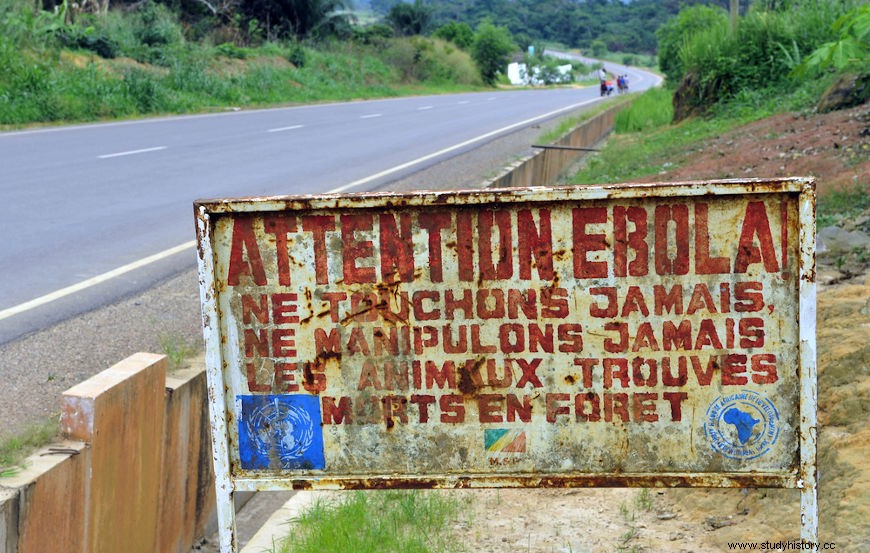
618,26
98,59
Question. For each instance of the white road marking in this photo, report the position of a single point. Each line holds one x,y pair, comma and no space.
290,128
464,102
132,152
458,146
370,116
423,108
93,281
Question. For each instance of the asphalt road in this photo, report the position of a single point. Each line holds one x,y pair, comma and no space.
93,213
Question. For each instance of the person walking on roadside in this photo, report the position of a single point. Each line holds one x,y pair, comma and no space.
602,79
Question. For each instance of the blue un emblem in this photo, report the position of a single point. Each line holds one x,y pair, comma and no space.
280,432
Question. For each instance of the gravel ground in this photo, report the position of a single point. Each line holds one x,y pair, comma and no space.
37,368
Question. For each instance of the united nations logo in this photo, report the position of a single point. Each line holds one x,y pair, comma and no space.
279,432
743,425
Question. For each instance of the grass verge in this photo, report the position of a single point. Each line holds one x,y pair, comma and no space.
837,205
14,449
377,522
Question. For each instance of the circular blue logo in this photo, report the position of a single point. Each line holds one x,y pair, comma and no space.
743,425
280,427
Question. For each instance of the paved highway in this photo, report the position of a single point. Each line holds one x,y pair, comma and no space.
92,213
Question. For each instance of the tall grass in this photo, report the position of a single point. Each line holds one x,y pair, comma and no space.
650,110
639,153
760,53
140,63
373,522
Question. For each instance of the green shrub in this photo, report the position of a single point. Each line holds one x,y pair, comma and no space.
158,26
89,38
722,63
851,49
376,35
418,59
230,50
490,50
459,33
297,55
677,31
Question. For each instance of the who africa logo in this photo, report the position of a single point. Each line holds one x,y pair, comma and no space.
743,425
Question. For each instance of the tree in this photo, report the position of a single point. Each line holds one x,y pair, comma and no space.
410,19
491,50
301,19
459,34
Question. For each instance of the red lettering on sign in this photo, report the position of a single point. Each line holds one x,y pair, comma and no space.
397,248
489,407
584,242
635,240
464,245
245,260
676,400
704,264
278,227
500,268
755,224
529,375
253,384
318,226
423,402
537,242
679,214
433,224
336,414
452,409
354,249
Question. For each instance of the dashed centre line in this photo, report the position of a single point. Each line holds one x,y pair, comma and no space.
132,152
42,300
282,129
424,108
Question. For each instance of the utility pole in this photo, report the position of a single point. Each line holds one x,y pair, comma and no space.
735,13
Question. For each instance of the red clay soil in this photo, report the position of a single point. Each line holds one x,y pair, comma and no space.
833,147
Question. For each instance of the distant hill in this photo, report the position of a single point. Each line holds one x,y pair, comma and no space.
622,25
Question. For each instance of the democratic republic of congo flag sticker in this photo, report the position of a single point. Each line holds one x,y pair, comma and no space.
504,440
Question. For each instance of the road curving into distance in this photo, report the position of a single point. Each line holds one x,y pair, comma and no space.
94,213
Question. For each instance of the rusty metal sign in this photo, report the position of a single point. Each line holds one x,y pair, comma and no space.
646,335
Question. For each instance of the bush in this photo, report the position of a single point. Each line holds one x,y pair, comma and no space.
157,26
375,35
679,30
297,55
89,38
490,50
459,34
721,63
420,59
230,50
